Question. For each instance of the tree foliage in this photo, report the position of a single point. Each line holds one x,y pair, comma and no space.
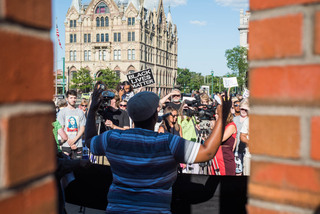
109,77
237,62
82,80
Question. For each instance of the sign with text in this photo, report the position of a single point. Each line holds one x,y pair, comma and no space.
141,78
230,82
246,93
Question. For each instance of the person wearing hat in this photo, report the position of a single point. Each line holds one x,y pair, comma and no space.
143,162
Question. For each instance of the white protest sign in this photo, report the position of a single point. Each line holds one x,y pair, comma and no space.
141,78
230,82
246,93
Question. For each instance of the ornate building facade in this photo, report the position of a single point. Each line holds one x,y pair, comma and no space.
124,37
244,28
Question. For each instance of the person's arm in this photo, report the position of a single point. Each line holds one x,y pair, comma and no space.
63,134
110,124
79,134
244,138
90,130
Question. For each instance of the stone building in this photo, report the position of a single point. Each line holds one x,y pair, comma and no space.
123,36
244,28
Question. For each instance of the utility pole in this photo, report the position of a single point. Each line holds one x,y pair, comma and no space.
212,73
63,75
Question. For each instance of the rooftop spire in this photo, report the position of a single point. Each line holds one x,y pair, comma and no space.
76,4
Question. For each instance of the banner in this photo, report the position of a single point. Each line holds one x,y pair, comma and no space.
230,82
246,93
141,78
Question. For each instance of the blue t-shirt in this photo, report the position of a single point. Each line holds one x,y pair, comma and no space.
144,167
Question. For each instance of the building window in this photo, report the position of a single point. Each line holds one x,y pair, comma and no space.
89,55
100,55
97,22
89,37
71,23
71,55
129,54
107,21
102,8
104,55
85,56
74,23
133,54
102,37
119,37
115,37
107,37
71,38
75,55
115,55
119,54
129,36
102,22
98,38
118,73
85,38
131,21
74,38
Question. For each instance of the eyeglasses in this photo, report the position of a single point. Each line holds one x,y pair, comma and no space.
174,115
243,109
84,105
122,105
175,95
237,105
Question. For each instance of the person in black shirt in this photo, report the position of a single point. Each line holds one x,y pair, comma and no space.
175,99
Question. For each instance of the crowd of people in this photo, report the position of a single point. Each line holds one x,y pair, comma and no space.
190,128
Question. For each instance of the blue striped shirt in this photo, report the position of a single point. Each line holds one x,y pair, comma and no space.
144,167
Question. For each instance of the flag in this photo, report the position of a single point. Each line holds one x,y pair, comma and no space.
57,33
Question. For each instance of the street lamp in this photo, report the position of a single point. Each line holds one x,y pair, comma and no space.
212,73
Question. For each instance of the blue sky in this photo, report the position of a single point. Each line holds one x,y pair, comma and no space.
206,28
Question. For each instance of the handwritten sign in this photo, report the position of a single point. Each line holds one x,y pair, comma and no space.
141,78
246,93
230,82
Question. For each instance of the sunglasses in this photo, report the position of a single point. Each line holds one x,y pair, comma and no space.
236,105
84,105
243,109
175,95
174,115
123,105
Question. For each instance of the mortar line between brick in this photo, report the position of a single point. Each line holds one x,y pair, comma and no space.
278,207
305,60
308,32
23,30
284,110
277,160
8,192
305,137
8,110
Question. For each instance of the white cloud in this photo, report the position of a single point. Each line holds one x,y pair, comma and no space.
234,4
200,23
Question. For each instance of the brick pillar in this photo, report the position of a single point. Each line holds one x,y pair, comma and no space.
284,80
27,149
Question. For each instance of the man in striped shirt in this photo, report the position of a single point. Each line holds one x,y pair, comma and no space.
143,162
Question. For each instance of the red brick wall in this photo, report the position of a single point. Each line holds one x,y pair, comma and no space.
27,148
284,80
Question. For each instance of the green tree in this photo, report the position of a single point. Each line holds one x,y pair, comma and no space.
183,78
237,62
82,80
109,77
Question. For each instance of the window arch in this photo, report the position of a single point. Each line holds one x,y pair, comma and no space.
98,22
107,21
102,22
102,8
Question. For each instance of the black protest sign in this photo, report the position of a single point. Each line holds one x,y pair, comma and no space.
141,78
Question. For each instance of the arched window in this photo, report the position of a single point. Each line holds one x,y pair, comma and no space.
98,22
102,22
102,8
107,21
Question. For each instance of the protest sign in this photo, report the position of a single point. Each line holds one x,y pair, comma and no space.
230,82
141,78
246,93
